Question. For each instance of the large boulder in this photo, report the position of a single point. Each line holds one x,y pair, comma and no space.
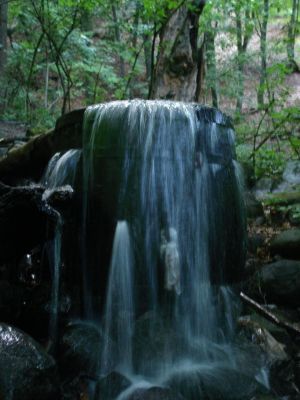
80,350
27,372
280,281
215,382
287,244
111,385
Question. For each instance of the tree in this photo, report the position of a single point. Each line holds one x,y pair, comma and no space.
175,72
244,29
292,31
3,34
263,26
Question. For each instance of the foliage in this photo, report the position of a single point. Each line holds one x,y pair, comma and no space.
65,54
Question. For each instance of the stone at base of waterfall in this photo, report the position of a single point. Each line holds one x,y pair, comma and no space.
153,339
80,350
155,393
27,372
283,380
280,281
287,244
210,382
110,386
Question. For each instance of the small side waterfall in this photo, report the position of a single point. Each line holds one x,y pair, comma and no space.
119,307
61,171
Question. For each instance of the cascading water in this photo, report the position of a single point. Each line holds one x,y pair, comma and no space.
166,172
61,171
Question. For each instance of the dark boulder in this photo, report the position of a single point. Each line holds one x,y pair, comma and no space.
280,281
27,372
215,383
110,386
80,350
287,244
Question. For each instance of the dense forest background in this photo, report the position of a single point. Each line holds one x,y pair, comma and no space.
239,56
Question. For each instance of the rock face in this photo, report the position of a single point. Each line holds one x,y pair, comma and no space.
281,282
27,372
287,244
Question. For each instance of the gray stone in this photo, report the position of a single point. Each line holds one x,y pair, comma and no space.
291,173
287,244
280,281
27,372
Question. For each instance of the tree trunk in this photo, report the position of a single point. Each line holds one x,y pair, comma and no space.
242,44
176,68
263,54
118,39
211,65
292,29
3,34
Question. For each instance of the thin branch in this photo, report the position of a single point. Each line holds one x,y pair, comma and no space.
290,327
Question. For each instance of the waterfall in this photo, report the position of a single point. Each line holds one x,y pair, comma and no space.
161,183
61,171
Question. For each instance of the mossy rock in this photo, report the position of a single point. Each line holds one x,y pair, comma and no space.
282,199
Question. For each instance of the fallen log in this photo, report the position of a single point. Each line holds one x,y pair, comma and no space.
290,327
30,160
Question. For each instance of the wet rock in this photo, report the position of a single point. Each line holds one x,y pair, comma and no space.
80,350
280,281
27,372
254,207
215,382
282,379
111,386
257,332
155,393
287,244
